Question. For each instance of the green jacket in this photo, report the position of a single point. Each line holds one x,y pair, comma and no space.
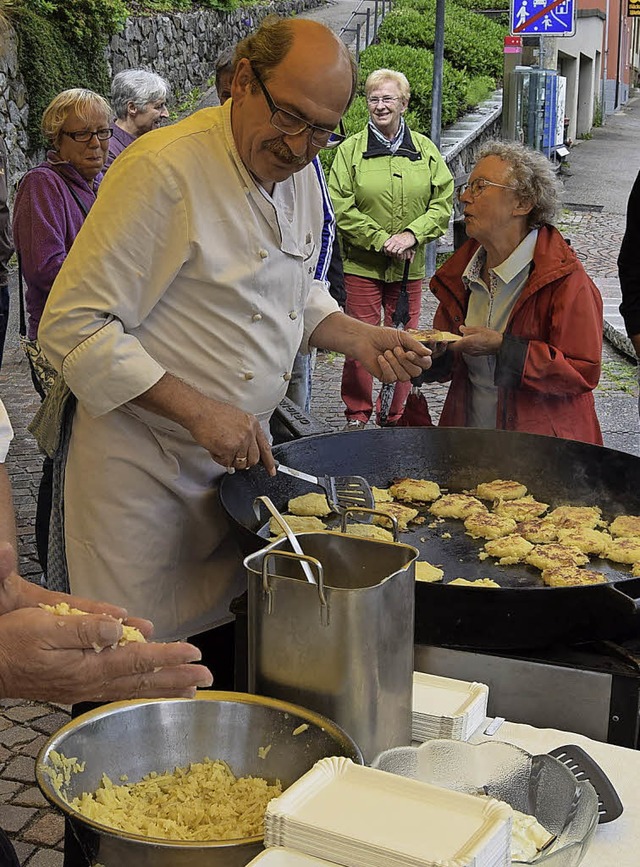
377,194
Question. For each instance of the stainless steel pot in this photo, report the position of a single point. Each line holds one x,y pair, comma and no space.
135,738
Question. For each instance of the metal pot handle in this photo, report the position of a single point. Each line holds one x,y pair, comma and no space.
302,559
391,518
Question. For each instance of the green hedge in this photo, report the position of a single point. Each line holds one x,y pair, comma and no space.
471,42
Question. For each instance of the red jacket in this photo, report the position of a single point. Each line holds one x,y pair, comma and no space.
549,362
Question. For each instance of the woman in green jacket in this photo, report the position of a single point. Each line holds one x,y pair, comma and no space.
392,193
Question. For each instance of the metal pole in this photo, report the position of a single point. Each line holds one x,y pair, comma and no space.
375,17
367,41
357,42
436,108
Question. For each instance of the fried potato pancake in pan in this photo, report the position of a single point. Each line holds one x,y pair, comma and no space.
488,526
500,489
520,510
427,572
576,516
554,554
415,490
456,506
538,530
370,531
381,495
624,549
571,576
402,514
635,570
509,549
315,505
625,525
298,524
479,582
589,541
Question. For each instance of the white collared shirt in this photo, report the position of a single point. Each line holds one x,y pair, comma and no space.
491,306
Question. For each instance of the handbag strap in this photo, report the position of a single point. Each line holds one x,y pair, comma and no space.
22,327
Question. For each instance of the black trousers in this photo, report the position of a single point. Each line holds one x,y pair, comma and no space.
8,857
218,654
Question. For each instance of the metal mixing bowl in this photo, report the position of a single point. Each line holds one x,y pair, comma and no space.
136,737
540,786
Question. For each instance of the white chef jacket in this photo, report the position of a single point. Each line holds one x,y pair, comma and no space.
184,265
6,433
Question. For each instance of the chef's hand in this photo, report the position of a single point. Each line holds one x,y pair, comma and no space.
234,438
47,657
392,355
400,246
477,340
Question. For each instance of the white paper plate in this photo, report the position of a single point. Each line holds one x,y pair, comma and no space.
278,857
444,707
376,817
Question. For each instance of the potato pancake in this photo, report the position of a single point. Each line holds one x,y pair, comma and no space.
298,524
522,509
456,506
554,554
433,335
589,541
488,526
415,490
508,549
428,573
129,633
310,505
568,517
571,576
381,495
370,531
538,530
635,570
625,525
501,489
624,549
402,514
479,582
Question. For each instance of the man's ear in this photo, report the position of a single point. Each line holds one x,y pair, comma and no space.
132,109
242,79
522,208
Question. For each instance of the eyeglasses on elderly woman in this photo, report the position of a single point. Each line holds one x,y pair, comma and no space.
477,185
85,135
290,124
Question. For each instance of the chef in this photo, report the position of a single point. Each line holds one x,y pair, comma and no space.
175,321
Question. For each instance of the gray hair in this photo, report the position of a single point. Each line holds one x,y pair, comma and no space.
533,177
138,86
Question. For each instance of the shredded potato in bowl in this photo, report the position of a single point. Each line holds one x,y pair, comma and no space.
203,801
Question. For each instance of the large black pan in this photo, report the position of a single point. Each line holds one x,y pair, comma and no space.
523,613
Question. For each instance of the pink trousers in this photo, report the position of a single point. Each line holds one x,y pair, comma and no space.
367,300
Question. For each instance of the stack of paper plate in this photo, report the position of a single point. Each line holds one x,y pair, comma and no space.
278,857
446,708
361,817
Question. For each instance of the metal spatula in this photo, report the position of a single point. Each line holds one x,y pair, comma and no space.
586,769
343,492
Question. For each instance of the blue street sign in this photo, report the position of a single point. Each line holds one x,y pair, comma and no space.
543,17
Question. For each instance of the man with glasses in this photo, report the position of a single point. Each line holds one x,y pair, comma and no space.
176,320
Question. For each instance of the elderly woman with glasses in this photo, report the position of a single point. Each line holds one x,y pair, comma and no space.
50,207
392,193
530,317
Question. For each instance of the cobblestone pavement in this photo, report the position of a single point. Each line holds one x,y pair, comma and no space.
35,828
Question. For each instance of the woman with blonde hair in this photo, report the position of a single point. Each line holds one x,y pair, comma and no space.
530,317
392,193
50,207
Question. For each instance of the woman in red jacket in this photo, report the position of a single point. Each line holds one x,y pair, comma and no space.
530,317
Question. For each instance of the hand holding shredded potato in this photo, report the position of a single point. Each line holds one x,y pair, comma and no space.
51,657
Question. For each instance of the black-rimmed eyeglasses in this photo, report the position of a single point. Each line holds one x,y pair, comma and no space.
291,124
476,187
85,135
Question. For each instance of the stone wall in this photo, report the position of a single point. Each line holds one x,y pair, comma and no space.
14,108
184,47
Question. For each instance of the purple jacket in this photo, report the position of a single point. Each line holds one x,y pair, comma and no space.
46,220
120,140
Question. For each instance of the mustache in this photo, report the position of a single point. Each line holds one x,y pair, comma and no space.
280,150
